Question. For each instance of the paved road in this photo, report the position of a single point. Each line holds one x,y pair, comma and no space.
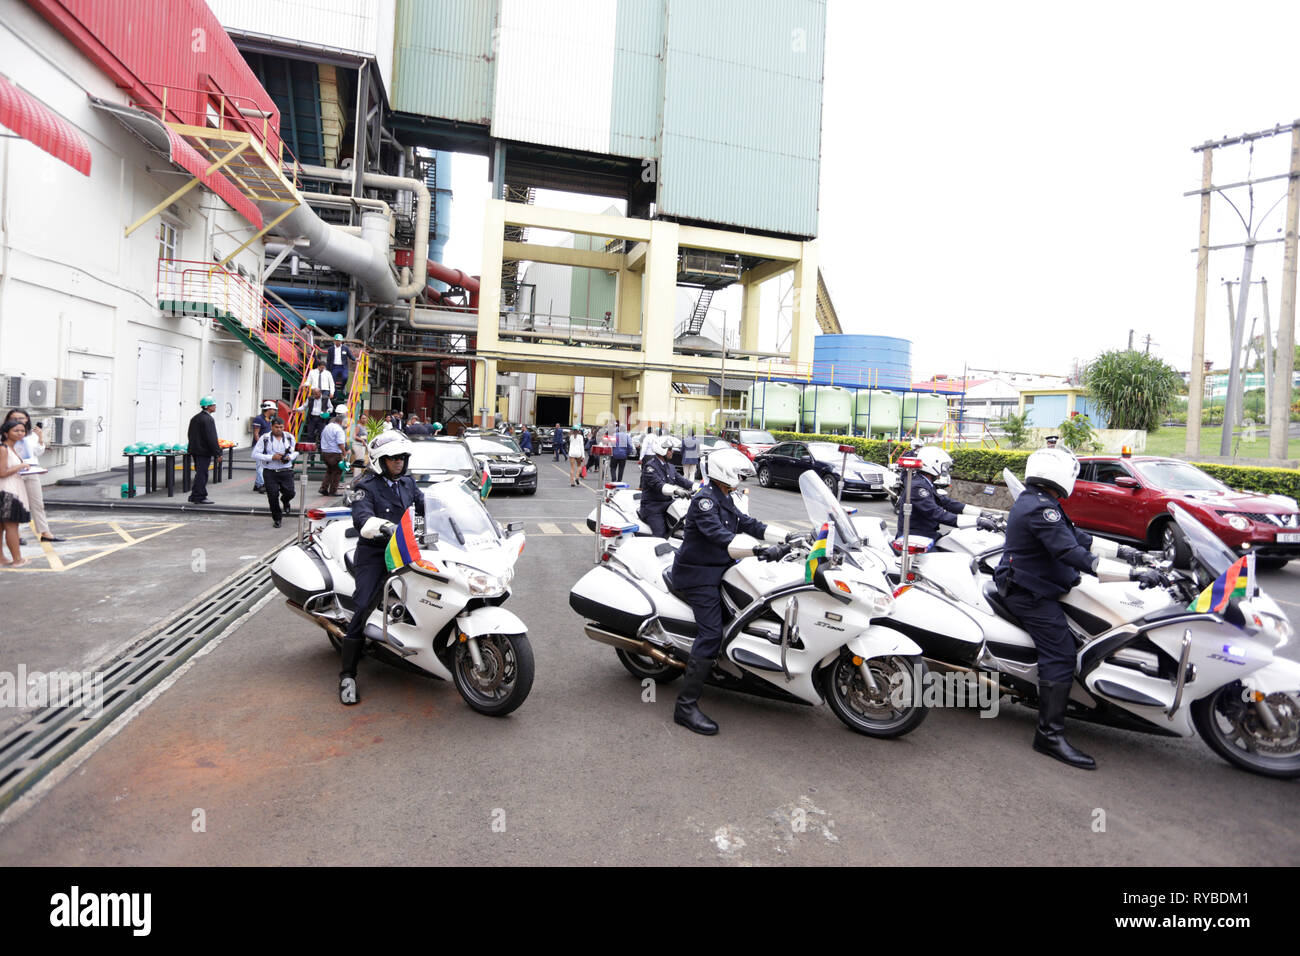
586,772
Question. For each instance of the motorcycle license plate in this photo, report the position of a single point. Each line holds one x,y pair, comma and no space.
1288,537
503,481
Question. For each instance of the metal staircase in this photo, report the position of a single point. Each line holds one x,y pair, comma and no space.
510,267
695,322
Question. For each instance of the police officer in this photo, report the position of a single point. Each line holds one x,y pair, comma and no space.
716,533
661,482
1044,557
378,504
930,509
274,454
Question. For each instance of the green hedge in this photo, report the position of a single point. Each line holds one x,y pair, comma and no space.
969,464
1266,481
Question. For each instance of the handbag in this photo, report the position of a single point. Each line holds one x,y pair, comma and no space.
583,473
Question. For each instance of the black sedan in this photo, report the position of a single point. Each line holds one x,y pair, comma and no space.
505,461
784,463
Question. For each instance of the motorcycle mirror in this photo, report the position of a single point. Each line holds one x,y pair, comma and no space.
513,527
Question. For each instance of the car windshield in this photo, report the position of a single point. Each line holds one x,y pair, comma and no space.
427,456
752,437
496,445
456,513
825,451
821,505
1177,476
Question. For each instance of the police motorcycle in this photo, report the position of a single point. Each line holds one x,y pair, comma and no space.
1146,660
784,638
439,616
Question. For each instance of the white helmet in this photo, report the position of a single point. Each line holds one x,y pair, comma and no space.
664,445
390,444
730,466
340,410
935,462
1054,468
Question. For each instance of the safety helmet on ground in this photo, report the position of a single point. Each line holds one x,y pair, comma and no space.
390,444
934,461
207,401
340,409
664,445
1054,468
730,466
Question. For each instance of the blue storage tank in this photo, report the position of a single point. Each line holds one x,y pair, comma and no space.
862,361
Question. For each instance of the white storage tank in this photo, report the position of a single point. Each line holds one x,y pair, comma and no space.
924,414
827,408
877,412
774,405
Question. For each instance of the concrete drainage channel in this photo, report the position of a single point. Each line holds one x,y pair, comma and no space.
32,749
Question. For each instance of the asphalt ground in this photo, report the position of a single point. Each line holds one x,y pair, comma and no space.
250,739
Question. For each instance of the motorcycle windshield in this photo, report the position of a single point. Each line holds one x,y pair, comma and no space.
1209,550
456,513
822,507
1014,484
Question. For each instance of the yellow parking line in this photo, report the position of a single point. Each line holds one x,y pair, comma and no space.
548,528
118,528
55,563
581,527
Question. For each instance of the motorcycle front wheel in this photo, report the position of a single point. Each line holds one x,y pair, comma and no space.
1233,729
642,667
875,715
506,677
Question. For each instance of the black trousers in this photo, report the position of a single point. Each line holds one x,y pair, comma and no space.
312,428
657,521
202,465
616,466
279,490
706,605
1046,623
369,573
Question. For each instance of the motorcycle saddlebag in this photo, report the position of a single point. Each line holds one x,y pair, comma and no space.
612,600
300,574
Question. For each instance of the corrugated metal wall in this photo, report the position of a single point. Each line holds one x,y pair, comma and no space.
444,59
742,113
636,107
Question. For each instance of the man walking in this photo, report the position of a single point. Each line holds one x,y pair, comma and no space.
333,446
262,426
557,442
204,446
339,356
275,453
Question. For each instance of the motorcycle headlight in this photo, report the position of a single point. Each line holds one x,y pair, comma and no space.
482,584
880,603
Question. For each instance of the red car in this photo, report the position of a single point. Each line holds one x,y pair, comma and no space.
752,441
1127,498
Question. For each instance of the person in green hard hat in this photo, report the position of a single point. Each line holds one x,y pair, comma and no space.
338,355
204,446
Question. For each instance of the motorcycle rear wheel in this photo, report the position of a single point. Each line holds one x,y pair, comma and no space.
507,675
1232,729
846,692
642,667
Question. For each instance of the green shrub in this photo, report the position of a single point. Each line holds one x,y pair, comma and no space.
968,464
1266,481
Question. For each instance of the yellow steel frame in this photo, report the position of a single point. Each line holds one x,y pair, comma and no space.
259,234
257,174
219,162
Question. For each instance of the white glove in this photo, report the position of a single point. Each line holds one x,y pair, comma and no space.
742,546
1109,571
376,528
1104,549
775,534
968,519
675,491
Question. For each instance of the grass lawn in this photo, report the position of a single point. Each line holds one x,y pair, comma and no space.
1172,441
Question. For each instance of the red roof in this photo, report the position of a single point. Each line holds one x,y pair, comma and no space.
34,121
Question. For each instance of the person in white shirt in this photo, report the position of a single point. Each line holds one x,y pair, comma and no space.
320,378
577,452
333,446
317,404
276,453
29,450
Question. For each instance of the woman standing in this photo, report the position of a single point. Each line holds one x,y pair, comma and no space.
690,455
13,493
577,452
30,449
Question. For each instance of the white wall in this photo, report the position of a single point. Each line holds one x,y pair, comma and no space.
77,296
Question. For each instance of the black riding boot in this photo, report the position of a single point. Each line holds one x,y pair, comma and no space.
352,648
1050,736
687,712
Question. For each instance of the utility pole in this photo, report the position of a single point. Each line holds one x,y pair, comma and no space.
1196,377
1279,423
1130,340
1267,356
1147,340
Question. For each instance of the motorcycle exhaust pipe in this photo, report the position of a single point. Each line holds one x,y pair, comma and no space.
994,685
328,626
632,645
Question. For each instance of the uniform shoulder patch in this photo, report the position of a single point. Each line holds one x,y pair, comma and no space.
1051,514
706,504
359,494
922,493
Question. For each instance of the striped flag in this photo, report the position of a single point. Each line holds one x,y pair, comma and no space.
1236,582
822,546
485,483
402,547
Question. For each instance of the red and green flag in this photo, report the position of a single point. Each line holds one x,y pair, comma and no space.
485,483
402,547
1236,582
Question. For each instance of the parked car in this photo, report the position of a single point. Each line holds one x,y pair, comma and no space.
752,441
784,463
434,458
1127,498
505,461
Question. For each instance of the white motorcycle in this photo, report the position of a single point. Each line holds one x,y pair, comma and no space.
617,512
783,637
439,617
1145,662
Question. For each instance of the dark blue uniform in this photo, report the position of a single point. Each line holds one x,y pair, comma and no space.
374,497
929,508
711,522
1044,557
654,503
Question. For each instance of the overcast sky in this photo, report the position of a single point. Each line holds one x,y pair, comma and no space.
1003,183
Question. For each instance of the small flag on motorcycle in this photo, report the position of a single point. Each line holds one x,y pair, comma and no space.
822,546
484,483
1236,582
402,547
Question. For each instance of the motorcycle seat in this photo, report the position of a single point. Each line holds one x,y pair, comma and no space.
348,563
999,606
668,583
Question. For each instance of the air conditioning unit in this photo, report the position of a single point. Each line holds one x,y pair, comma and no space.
13,390
39,393
72,392
68,431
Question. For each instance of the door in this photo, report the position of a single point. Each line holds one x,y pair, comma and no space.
225,389
1107,507
94,458
158,373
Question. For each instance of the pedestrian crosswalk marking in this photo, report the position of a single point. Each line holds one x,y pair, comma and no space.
581,528
547,528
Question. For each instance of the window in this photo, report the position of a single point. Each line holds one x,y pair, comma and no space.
169,239
1107,471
